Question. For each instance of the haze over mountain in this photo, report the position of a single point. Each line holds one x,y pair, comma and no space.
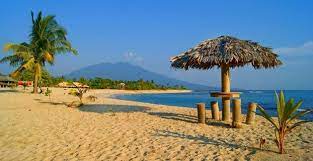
127,71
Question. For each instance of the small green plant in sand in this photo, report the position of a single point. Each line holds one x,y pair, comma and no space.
48,92
286,118
78,92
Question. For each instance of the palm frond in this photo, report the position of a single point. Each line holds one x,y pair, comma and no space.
295,125
49,57
28,64
298,115
267,117
288,108
292,109
278,107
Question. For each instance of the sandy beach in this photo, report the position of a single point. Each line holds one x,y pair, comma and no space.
36,127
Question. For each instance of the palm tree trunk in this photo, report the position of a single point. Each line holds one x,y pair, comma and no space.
35,90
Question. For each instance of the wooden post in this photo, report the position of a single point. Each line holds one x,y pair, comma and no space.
201,112
225,77
236,113
215,111
251,113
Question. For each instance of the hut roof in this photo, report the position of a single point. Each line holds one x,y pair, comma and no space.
4,78
226,50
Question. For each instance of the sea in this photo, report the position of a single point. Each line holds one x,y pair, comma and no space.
265,98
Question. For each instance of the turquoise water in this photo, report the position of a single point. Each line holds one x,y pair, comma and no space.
263,97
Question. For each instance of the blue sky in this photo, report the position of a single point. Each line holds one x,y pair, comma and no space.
148,33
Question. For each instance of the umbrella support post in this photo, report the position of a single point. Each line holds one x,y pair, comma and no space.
226,109
225,77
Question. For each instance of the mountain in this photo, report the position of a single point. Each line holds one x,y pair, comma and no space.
126,71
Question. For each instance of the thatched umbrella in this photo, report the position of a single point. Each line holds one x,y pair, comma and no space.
226,52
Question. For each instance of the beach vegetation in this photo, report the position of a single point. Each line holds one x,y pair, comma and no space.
104,83
79,92
287,118
48,92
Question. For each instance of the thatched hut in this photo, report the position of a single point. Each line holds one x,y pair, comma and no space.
226,52
6,81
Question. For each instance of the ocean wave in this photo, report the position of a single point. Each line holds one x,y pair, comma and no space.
255,91
302,109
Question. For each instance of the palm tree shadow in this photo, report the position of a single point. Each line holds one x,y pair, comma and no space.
201,139
187,118
8,91
101,108
218,123
107,108
175,116
53,103
50,102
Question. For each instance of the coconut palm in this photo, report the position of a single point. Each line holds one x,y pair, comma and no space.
47,38
286,117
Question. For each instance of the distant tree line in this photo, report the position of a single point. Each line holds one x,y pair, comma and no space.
96,83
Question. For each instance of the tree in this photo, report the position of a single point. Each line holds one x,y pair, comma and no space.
47,38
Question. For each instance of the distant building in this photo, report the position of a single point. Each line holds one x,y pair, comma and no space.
6,81
122,85
72,85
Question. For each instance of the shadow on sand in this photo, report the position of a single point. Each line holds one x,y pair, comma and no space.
175,116
186,118
105,108
101,108
5,90
50,102
212,141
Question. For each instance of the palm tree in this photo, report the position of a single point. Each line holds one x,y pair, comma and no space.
287,116
47,38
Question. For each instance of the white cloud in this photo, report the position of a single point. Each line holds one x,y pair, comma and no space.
133,58
304,49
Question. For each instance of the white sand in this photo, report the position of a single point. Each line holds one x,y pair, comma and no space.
34,127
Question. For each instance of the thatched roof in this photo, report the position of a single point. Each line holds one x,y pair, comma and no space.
4,78
226,50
